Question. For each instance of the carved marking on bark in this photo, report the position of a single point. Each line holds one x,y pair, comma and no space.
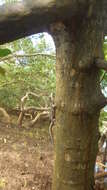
67,157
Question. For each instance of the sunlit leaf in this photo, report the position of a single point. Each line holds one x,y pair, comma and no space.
4,52
2,71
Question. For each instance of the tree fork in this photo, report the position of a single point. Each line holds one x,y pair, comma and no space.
78,102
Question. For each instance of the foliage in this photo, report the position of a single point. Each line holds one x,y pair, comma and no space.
104,81
23,74
3,53
34,73
103,116
103,119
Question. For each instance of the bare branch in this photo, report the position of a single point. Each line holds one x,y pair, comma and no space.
101,64
6,115
34,121
34,55
101,165
33,94
100,175
102,77
12,56
24,110
20,119
36,109
23,100
30,17
21,115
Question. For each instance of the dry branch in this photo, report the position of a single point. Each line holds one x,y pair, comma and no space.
101,165
20,119
12,56
36,109
39,115
6,116
102,77
100,175
22,107
25,110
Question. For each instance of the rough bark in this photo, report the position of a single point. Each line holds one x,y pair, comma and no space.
78,38
29,16
78,101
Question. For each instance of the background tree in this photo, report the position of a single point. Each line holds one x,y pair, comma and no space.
77,29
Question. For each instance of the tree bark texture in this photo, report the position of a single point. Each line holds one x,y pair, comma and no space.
78,101
76,27
34,16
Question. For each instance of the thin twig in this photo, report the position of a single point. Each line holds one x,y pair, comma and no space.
27,55
101,175
102,77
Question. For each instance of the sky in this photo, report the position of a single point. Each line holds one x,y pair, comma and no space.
2,2
49,40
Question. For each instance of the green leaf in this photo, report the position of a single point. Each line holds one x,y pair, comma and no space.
4,52
2,71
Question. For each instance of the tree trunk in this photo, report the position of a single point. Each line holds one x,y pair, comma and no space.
78,100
